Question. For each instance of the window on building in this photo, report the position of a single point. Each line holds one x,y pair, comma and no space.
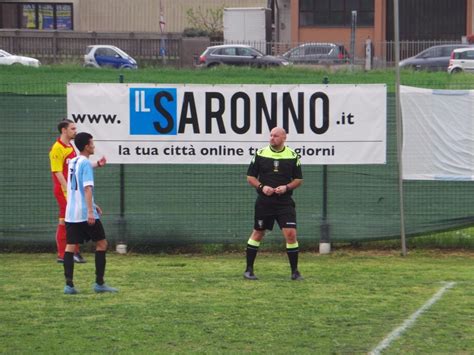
46,17
28,16
63,17
336,13
36,16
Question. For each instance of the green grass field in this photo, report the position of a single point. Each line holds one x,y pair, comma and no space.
49,80
348,303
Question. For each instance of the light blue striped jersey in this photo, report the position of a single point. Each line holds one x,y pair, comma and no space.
80,175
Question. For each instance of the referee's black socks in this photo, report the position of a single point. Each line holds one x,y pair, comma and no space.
252,249
292,252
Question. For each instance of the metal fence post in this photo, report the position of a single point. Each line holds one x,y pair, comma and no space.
353,31
55,46
324,241
398,114
121,220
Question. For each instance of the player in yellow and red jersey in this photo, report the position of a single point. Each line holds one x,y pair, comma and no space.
60,154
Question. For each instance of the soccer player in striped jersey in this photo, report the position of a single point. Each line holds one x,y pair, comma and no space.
275,171
60,154
83,215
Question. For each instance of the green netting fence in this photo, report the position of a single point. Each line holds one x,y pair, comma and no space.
176,204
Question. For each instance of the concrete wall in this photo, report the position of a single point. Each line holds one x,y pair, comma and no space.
285,21
191,49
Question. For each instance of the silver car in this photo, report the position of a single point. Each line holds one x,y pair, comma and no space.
317,53
237,54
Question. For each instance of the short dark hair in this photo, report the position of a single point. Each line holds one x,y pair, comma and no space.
64,123
81,140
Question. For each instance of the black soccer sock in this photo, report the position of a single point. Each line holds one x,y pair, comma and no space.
292,252
99,266
252,249
69,268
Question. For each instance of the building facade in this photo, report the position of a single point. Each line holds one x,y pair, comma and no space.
294,21
420,20
108,15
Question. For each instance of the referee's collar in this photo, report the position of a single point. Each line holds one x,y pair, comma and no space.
277,151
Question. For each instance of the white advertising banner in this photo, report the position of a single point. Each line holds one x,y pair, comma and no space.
225,124
438,134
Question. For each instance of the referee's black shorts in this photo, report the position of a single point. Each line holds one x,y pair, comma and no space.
78,233
267,213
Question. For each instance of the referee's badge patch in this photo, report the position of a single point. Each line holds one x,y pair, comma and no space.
276,164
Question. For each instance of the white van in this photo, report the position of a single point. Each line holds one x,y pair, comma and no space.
462,59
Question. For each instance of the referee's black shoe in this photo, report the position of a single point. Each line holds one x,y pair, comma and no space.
296,276
249,275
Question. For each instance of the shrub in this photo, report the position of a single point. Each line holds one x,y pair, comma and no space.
195,32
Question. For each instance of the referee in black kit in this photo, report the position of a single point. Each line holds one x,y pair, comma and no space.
275,171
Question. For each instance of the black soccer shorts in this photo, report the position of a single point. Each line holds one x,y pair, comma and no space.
78,233
266,215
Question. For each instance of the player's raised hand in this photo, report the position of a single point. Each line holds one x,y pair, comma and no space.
101,162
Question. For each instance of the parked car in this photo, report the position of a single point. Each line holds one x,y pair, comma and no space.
11,59
108,56
237,54
433,58
317,53
462,59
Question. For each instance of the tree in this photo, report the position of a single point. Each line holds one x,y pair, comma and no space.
207,21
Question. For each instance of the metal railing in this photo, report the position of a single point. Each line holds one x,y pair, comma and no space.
63,46
383,52
58,46
408,48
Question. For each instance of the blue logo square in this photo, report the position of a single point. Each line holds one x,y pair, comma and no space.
153,111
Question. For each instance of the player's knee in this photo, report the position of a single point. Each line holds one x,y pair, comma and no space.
290,240
290,236
101,245
257,235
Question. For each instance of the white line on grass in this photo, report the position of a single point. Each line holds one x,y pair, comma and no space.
409,321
